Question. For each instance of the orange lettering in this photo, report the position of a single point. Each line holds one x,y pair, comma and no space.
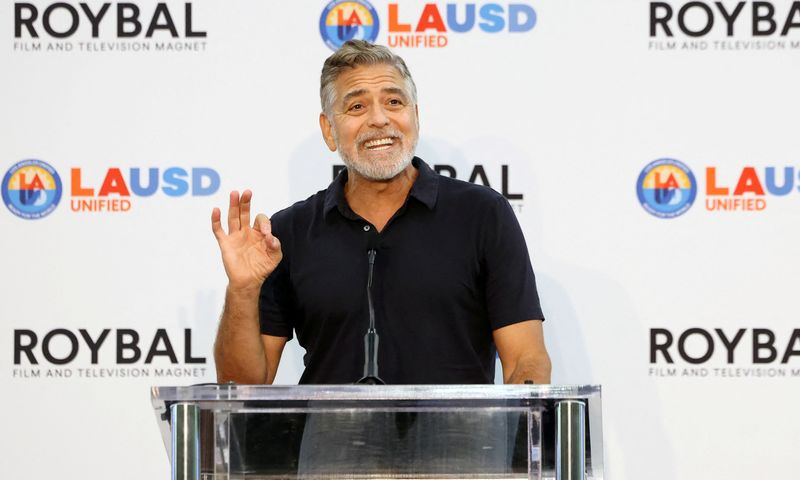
749,182
77,189
36,184
353,20
114,183
430,18
394,25
711,183
670,183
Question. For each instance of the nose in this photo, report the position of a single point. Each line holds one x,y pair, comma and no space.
378,117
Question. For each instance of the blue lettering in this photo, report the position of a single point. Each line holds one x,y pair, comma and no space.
175,183
198,175
788,178
152,182
515,10
452,20
493,21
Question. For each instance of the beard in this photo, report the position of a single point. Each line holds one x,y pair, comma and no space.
379,165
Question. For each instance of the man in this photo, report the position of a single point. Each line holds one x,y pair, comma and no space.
452,276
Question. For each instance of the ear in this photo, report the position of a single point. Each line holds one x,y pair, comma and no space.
416,113
327,132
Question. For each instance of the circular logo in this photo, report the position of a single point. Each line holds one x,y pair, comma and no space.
344,20
31,189
666,188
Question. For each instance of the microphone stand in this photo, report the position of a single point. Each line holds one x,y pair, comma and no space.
371,338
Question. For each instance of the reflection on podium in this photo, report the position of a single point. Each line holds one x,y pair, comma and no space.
370,432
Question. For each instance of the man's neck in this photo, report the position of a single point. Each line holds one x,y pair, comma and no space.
377,201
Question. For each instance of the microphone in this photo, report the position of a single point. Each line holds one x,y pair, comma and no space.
371,338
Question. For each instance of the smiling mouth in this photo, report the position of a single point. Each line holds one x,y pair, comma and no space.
379,143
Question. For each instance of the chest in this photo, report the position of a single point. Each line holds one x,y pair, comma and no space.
419,262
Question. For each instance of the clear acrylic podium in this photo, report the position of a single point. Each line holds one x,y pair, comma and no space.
216,432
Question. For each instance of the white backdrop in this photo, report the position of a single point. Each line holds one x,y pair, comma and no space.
575,107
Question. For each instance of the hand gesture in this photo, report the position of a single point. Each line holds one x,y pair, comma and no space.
249,254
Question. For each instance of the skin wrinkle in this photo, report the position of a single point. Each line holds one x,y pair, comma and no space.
368,112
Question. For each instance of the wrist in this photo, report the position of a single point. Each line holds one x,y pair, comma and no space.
243,292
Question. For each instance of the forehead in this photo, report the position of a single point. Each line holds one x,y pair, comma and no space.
369,78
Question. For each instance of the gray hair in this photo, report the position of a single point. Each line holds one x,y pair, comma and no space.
352,54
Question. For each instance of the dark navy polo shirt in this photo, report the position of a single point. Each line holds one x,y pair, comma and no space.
451,266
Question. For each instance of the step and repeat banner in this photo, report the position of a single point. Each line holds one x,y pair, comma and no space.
649,149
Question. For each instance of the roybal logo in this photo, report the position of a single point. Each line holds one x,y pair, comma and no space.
348,20
666,188
106,27
31,189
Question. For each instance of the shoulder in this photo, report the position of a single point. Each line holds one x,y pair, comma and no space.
299,213
469,195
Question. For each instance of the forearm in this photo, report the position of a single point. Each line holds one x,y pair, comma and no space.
238,350
530,367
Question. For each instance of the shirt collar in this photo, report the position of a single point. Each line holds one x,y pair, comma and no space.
425,189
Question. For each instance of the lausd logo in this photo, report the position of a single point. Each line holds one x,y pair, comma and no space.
114,193
345,20
348,20
31,189
431,29
666,188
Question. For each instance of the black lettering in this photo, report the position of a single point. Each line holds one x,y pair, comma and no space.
73,340
161,10
656,347
730,18
188,20
94,346
510,196
187,344
26,348
132,345
451,172
759,345
730,345
759,17
791,349
161,336
682,18
682,345
72,12
133,19
790,21
478,171
656,20
27,22
94,19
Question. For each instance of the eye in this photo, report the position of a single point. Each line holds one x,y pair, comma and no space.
395,102
356,107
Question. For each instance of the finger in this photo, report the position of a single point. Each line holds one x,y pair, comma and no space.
244,208
216,223
263,225
271,244
233,213
276,244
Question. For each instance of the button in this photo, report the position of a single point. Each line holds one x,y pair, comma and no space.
366,228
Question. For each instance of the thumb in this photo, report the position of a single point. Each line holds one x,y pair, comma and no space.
263,225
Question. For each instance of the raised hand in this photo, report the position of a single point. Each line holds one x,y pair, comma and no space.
249,254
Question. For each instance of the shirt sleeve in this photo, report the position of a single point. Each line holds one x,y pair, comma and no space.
275,304
511,295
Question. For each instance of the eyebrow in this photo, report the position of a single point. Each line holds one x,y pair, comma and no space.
361,91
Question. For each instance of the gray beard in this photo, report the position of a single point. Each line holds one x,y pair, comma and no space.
377,171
